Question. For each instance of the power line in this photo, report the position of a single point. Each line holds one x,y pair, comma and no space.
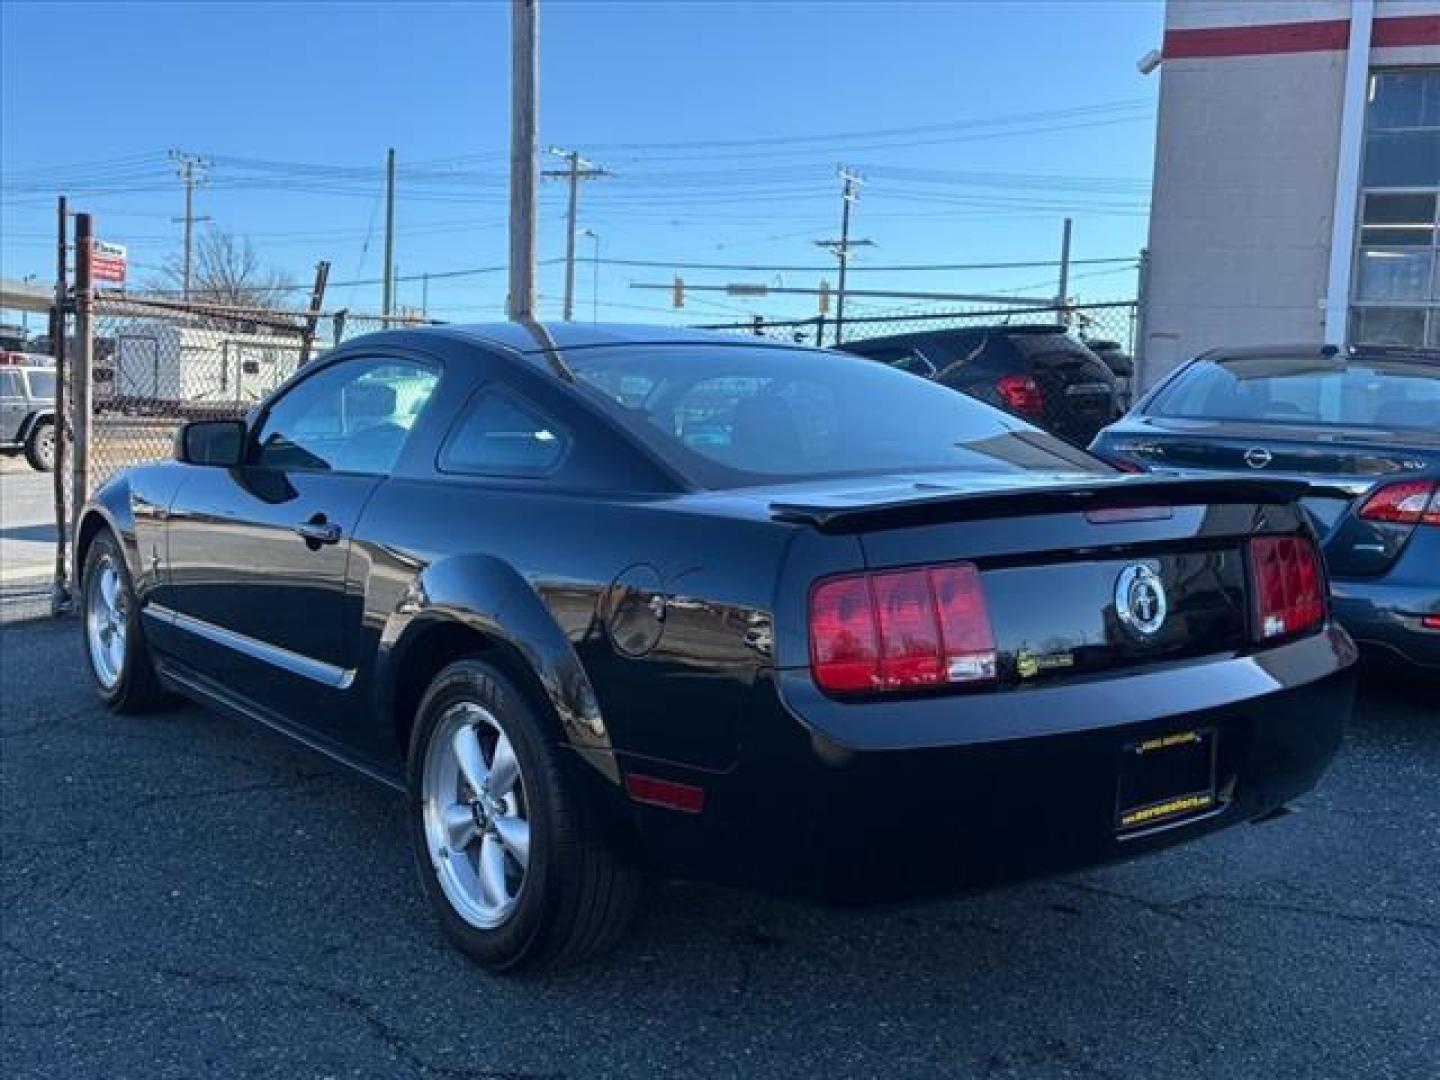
892,268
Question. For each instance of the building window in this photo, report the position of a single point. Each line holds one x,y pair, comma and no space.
1396,290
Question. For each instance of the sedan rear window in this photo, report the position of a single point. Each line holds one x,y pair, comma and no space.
1315,389
732,415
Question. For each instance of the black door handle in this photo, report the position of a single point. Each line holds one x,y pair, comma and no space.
318,531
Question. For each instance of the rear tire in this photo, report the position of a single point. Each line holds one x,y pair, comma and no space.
517,876
40,446
113,640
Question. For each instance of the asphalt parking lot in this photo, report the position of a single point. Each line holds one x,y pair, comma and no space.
27,521
186,896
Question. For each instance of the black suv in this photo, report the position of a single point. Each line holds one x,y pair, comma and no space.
27,413
1043,374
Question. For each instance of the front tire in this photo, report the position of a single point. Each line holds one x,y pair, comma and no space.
516,875
114,641
40,446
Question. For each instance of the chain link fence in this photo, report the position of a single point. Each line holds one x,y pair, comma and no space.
156,364
159,364
1110,321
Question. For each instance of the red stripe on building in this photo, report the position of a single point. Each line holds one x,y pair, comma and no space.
1405,30
1271,38
1330,35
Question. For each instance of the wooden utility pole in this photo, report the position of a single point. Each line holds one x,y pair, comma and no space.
192,172
577,169
524,109
388,288
849,192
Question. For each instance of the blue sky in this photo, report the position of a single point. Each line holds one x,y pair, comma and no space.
978,126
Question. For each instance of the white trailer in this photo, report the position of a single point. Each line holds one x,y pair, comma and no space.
157,364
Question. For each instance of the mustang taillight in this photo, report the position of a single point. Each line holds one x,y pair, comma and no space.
902,630
1286,586
1409,502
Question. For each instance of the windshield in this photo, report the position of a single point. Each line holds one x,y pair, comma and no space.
734,415
1326,390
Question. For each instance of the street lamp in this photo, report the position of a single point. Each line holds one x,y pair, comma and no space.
25,312
594,276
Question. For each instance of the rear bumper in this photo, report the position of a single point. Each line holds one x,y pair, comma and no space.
814,818
1384,617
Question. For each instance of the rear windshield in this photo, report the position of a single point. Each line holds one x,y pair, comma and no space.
734,415
1336,391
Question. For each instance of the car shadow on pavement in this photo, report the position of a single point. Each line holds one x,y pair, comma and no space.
188,895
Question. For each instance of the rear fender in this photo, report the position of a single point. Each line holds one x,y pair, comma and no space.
490,598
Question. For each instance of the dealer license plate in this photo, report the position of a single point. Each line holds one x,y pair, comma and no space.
1165,779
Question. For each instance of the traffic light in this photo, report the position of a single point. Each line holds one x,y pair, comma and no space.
824,297
678,296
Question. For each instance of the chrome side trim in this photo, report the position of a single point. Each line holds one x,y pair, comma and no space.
306,667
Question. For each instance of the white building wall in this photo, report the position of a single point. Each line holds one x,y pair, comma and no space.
1245,167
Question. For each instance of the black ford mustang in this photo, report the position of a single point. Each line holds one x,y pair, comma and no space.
609,600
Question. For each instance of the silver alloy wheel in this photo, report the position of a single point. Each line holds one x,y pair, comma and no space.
105,610
476,818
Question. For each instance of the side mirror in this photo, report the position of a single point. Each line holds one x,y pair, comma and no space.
211,442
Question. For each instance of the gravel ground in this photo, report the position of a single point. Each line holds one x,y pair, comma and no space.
187,896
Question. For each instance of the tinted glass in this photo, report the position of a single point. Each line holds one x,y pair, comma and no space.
353,417
500,435
730,415
1387,394
42,384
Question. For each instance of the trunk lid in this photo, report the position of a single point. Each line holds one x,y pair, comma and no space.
1080,575
1339,465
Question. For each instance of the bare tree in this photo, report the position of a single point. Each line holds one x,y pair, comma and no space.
226,271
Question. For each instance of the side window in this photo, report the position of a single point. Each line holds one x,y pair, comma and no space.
500,435
42,385
352,417
10,385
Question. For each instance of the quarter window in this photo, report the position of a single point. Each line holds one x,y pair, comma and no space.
499,435
352,417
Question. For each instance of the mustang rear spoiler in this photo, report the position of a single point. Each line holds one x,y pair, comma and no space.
927,506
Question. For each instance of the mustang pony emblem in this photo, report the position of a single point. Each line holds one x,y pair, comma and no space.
1140,601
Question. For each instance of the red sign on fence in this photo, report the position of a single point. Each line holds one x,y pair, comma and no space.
107,262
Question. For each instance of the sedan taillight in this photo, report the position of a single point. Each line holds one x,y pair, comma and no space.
1021,394
902,630
1286,586
1409,502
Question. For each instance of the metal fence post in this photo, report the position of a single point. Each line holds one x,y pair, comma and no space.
81,411
312,319
1140,380
60,596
